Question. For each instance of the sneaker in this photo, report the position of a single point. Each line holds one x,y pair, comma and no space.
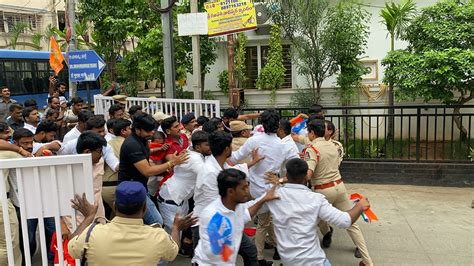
276,255
327,238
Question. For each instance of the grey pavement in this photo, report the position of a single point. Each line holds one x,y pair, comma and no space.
417,226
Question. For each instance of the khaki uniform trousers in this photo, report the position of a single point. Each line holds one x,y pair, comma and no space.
108,195
264,227
15,231
338,197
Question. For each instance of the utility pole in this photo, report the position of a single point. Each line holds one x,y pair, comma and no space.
71,14
196,58
168,50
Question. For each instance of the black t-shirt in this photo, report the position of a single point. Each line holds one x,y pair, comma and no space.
133,150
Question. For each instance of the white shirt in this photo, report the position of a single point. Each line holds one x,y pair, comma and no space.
74,133
227,226
303,132
206,190
181,185
275,152
30,128
37,145
107,151
295,219
109,136
288,140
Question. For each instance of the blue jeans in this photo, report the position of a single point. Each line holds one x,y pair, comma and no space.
49,228
152,216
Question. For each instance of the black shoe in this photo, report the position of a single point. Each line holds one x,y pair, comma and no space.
265,263
357,253
268,246
276,255
327,238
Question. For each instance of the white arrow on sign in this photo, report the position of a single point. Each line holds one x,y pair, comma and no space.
101,65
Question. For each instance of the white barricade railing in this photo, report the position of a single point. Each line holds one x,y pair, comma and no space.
45,187
176,107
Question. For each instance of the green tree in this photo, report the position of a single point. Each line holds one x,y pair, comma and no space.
272,75
438,63
240,69
348,30
396,18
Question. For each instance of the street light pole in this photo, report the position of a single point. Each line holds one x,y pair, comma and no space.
196,58
168,50
71,13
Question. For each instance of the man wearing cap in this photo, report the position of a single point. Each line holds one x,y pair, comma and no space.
125,240
189,123
240,132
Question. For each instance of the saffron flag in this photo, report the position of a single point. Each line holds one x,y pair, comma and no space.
56,58
368,215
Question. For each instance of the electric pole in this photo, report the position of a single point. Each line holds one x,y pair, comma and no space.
71,14
168,49
196,58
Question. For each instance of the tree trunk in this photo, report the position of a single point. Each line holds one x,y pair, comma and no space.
457,118
391,111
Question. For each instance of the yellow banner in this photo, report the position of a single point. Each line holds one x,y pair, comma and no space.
230,16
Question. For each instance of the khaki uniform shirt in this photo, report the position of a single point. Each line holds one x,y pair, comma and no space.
236,144
116,144
124,241
340,149
188,134
4,108
323,159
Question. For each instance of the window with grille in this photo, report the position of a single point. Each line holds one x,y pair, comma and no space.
10,20
255,64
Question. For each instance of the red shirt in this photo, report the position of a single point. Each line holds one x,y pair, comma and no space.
156,156
177,146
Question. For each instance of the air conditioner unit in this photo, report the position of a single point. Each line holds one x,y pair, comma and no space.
263,18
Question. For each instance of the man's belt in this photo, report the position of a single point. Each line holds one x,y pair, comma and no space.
162,200
328,185
110,183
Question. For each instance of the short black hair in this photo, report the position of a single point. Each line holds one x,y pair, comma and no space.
121,124
30,103
96,121
110,124
76,100
84,115
114,108
296,169
230,113
59,84
89,140
315,117
218,141
51,112
26,112
159,134
50,99
144,121
199,137
201,120
285,125
14,106
315,108
129,209
317,127
134,109
168,123
270,120
46,126
3,127
22,133
229,178
209,127
331,126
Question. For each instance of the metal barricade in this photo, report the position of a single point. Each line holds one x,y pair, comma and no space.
45,187
176,107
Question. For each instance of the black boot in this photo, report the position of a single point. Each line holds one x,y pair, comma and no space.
265,263
327,238
357,253
276,255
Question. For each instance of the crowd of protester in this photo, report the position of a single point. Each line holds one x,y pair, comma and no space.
164,186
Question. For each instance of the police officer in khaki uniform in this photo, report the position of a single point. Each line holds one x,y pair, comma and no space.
110,180
125,240
189,123
323,160
240,132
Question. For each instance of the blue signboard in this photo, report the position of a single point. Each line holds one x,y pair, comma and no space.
85,65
